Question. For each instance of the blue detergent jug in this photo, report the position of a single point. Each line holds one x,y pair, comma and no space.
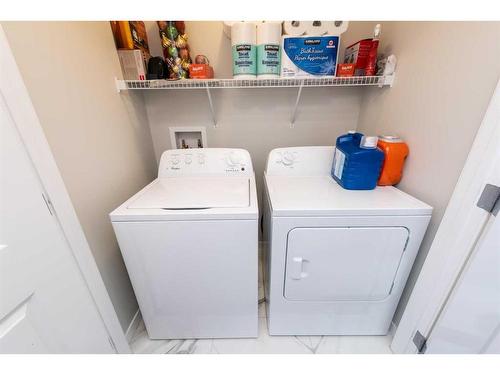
357,161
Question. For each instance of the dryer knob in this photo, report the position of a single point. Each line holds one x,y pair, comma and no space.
288,158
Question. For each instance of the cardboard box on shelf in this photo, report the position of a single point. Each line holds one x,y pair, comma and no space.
132,63
357,54
345,70
131,35
201,71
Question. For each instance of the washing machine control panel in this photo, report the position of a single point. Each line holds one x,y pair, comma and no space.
205,161
300,161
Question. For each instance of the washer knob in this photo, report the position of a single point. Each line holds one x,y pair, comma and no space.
288,158
175,160
233,159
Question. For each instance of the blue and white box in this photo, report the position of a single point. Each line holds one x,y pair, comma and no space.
309,56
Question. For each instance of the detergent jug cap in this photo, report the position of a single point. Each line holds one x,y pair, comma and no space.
351,132
369,142
390,138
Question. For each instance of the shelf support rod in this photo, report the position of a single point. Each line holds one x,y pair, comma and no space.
294,112
211,104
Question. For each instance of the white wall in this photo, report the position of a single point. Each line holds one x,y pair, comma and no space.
446,75
257,120
100,139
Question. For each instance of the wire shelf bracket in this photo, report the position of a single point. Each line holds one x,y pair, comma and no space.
212,109
294,112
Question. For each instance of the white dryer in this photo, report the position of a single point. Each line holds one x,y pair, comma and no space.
189,241
337,260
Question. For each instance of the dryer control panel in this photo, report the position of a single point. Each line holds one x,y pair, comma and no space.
205,161
300,161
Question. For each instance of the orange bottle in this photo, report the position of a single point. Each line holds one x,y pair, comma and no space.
395,151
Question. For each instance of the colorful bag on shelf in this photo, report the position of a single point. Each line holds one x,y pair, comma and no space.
175,48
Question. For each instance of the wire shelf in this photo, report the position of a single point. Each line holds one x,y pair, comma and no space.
299,83
254,83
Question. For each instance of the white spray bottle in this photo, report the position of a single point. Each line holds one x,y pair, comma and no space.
371,64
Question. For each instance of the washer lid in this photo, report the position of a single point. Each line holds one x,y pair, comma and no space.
178,193
323,196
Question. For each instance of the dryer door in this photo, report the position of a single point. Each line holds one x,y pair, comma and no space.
343,264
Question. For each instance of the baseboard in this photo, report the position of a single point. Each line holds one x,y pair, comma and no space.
134,323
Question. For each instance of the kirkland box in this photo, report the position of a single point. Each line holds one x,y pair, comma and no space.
309,56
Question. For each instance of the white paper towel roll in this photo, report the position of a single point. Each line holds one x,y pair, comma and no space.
317,28
336,27
269,32
268,50
296,28
243,45
226,27
243,32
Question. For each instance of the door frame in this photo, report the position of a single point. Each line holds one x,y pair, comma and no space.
26,120
460,228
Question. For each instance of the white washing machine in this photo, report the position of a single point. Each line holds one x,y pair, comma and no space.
337,260
189,241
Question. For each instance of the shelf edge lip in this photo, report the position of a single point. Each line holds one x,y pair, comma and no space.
227,83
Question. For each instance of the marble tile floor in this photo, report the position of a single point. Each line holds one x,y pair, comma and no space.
264,344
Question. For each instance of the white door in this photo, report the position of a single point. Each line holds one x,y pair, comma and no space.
343,264
444,277
470,320
45,305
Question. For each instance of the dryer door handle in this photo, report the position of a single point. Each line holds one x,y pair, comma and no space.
297,268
